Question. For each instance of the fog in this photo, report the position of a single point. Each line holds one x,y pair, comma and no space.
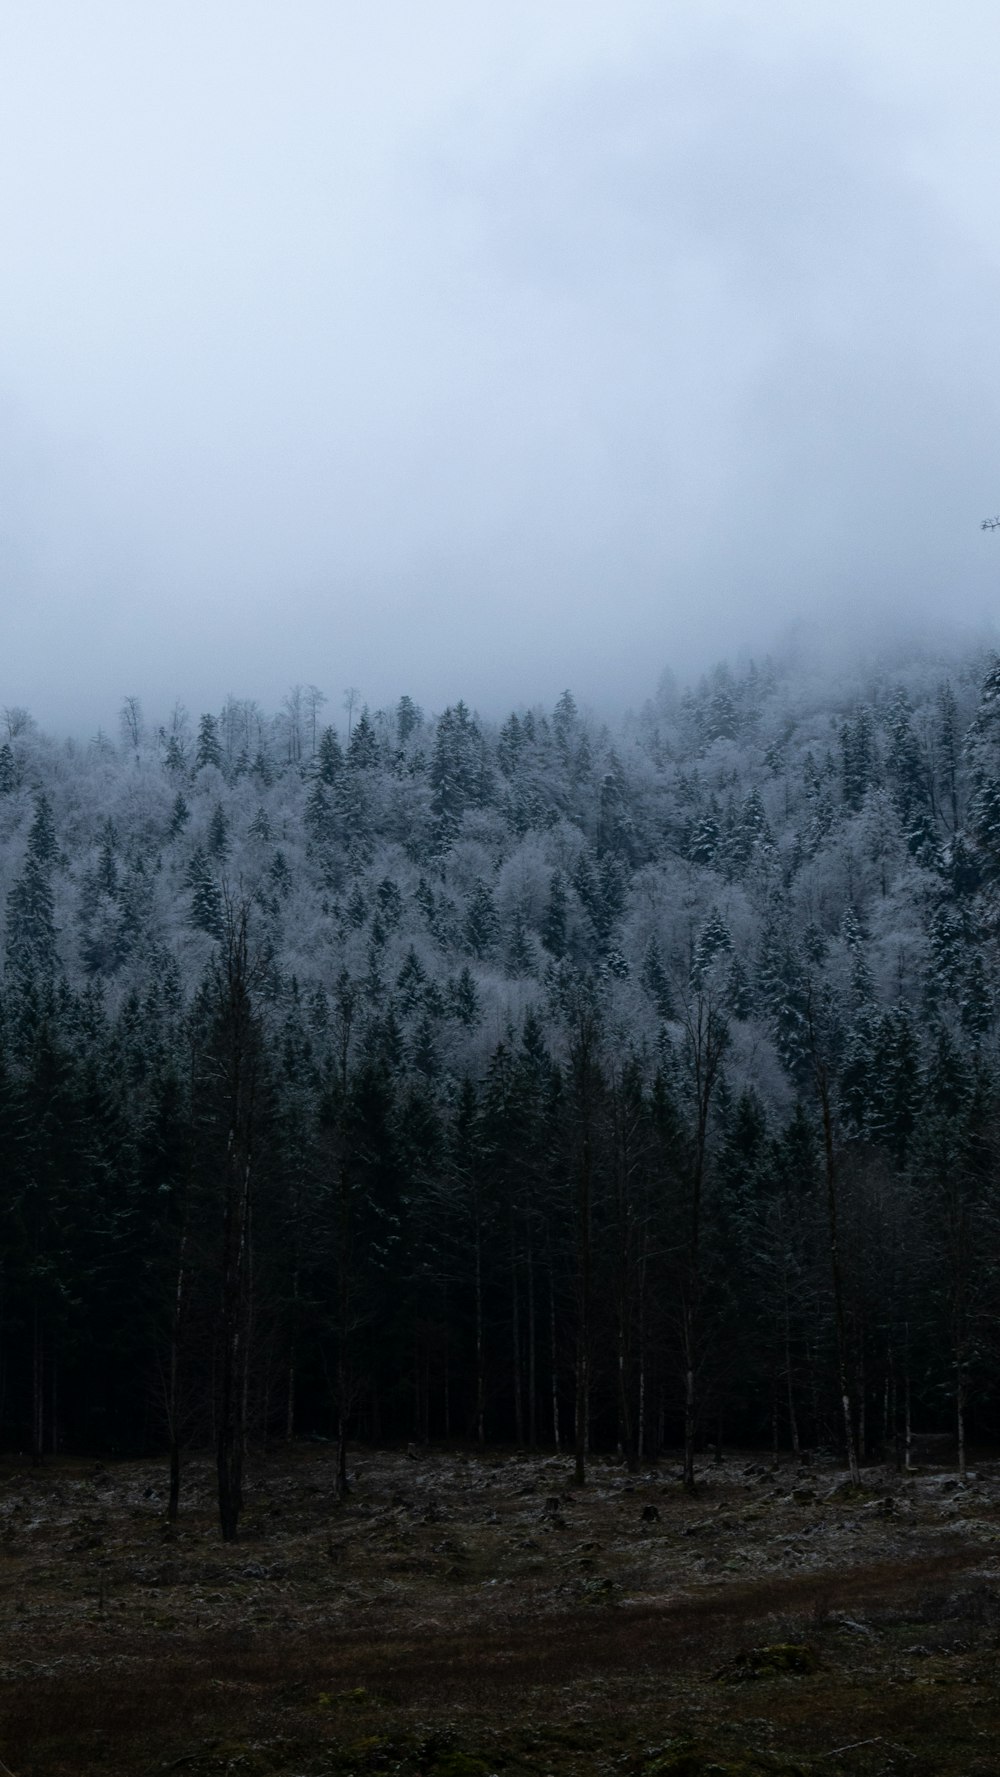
477,351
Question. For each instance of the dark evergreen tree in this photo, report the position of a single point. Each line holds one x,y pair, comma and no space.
408,719
554,924
482,922
208,751
859,757
30,944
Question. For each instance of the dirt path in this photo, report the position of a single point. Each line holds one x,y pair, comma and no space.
483,1610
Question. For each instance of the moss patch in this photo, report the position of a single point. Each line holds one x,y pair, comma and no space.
777,1660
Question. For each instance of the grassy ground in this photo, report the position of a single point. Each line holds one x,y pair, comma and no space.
463,1616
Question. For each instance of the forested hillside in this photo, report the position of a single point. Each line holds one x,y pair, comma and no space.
440,1079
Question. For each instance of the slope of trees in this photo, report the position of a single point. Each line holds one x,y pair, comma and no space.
528,1081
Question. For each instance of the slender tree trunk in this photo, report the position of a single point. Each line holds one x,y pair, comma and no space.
813,1392
840,1320
553,1351
862,1398
708,1035
907,1406
231,1431
690,1394
340,1482
37,1390
640,1437
624,1406
583,1063
248,1337
293,1348
793,1424
239,1035
532,1346
345,1237
515,1312
960,1405
290,1397
264,1406
625,1272
582,1413
174,1378
959,1316
3,1358
480,1342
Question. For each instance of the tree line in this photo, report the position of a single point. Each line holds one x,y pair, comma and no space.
445,1080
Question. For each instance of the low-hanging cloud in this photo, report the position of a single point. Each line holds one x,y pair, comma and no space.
477,369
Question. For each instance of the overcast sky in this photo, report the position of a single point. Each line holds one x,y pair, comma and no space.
478,350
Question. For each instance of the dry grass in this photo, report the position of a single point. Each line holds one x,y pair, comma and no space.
461,1617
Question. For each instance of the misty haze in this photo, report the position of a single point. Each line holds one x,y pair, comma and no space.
499,890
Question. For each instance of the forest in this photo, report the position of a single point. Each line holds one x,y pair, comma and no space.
429,1078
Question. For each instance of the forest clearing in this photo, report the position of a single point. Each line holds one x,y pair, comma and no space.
458,1615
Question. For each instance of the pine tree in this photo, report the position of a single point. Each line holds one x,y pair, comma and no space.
482,922
180,814
280,875
411,983
31,930
656,981
173,759
565,719
206,913
614,820
218,833
520,950
260,826
329,758
946,735
464,999
509,744
587,883
982,749
908,775
263,770
319,816
705,835
425,1056
459,775
408,719
362,750
859,755
781,992
389,902
554,924
208,751
713,940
